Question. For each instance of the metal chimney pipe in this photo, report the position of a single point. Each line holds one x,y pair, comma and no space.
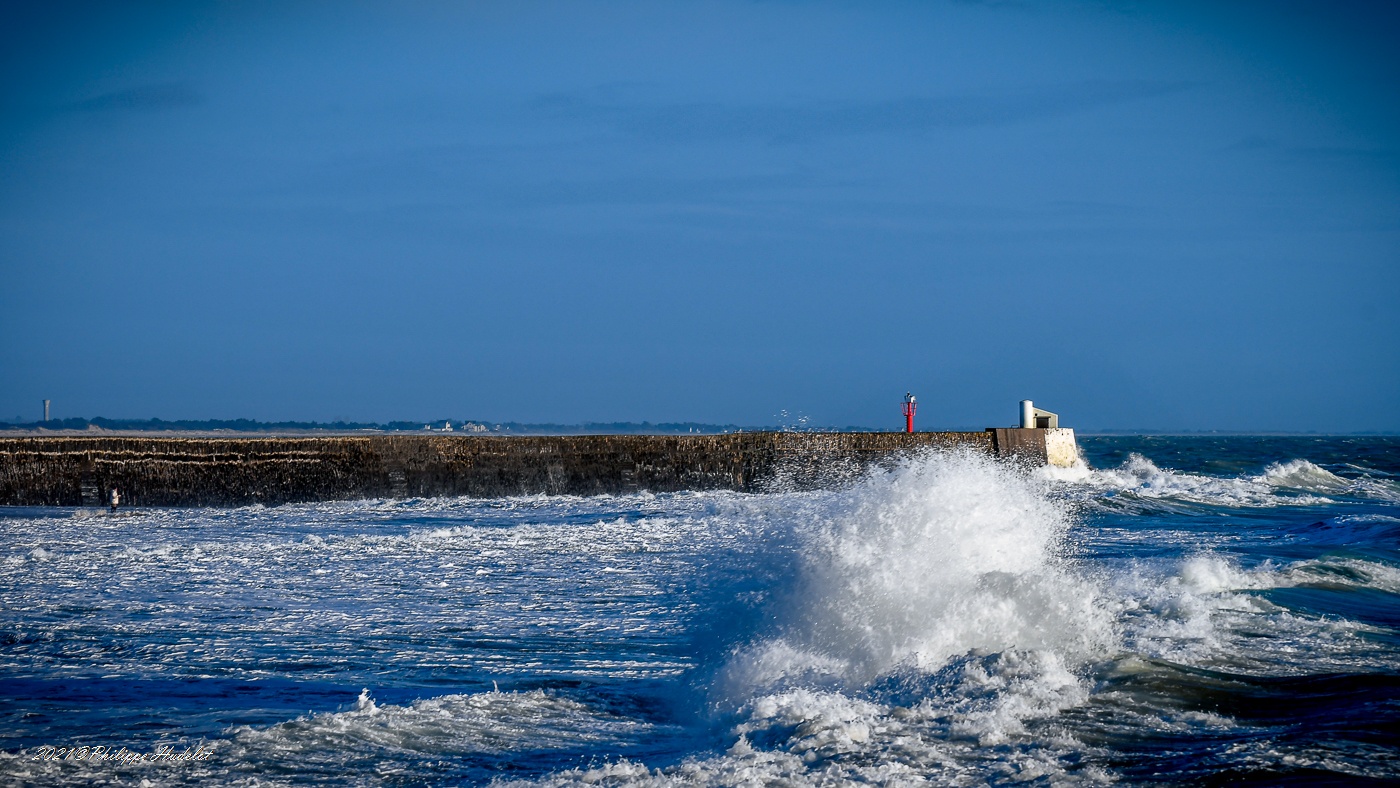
1027,415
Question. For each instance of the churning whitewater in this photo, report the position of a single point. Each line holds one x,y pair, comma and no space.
1175,610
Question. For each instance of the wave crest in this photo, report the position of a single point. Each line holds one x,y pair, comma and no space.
947,554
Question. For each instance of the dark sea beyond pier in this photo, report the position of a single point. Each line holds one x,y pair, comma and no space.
1177,610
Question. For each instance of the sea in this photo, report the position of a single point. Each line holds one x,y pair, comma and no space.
1174,610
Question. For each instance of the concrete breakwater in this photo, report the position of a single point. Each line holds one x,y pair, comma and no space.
79,471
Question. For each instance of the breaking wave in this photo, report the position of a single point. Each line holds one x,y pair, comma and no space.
940,557
1140,483
933,613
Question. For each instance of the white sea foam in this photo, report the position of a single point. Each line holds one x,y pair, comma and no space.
944,731
802,736
1343,572
1207,610
1303,475
489,722
942,556
1174,615
933,615
1296,483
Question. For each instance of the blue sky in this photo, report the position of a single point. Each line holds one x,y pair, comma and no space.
1141,215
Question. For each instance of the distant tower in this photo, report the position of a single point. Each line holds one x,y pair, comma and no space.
909,406
46,410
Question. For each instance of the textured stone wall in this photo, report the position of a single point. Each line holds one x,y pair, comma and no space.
76,471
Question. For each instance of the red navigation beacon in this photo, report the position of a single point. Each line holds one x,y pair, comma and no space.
909,406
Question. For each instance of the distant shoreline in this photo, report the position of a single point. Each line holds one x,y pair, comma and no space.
214,427
564,431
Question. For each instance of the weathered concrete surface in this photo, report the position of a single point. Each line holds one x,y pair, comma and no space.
1038,446
1060,447
76,471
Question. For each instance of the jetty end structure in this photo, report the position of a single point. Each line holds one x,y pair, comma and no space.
77,470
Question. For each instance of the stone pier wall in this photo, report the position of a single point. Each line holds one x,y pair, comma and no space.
219,471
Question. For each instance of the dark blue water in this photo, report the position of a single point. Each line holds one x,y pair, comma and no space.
1181,610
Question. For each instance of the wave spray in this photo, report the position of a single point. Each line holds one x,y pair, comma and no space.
948,554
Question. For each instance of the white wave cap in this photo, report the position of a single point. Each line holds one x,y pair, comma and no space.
947,554
488,722
1297,483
